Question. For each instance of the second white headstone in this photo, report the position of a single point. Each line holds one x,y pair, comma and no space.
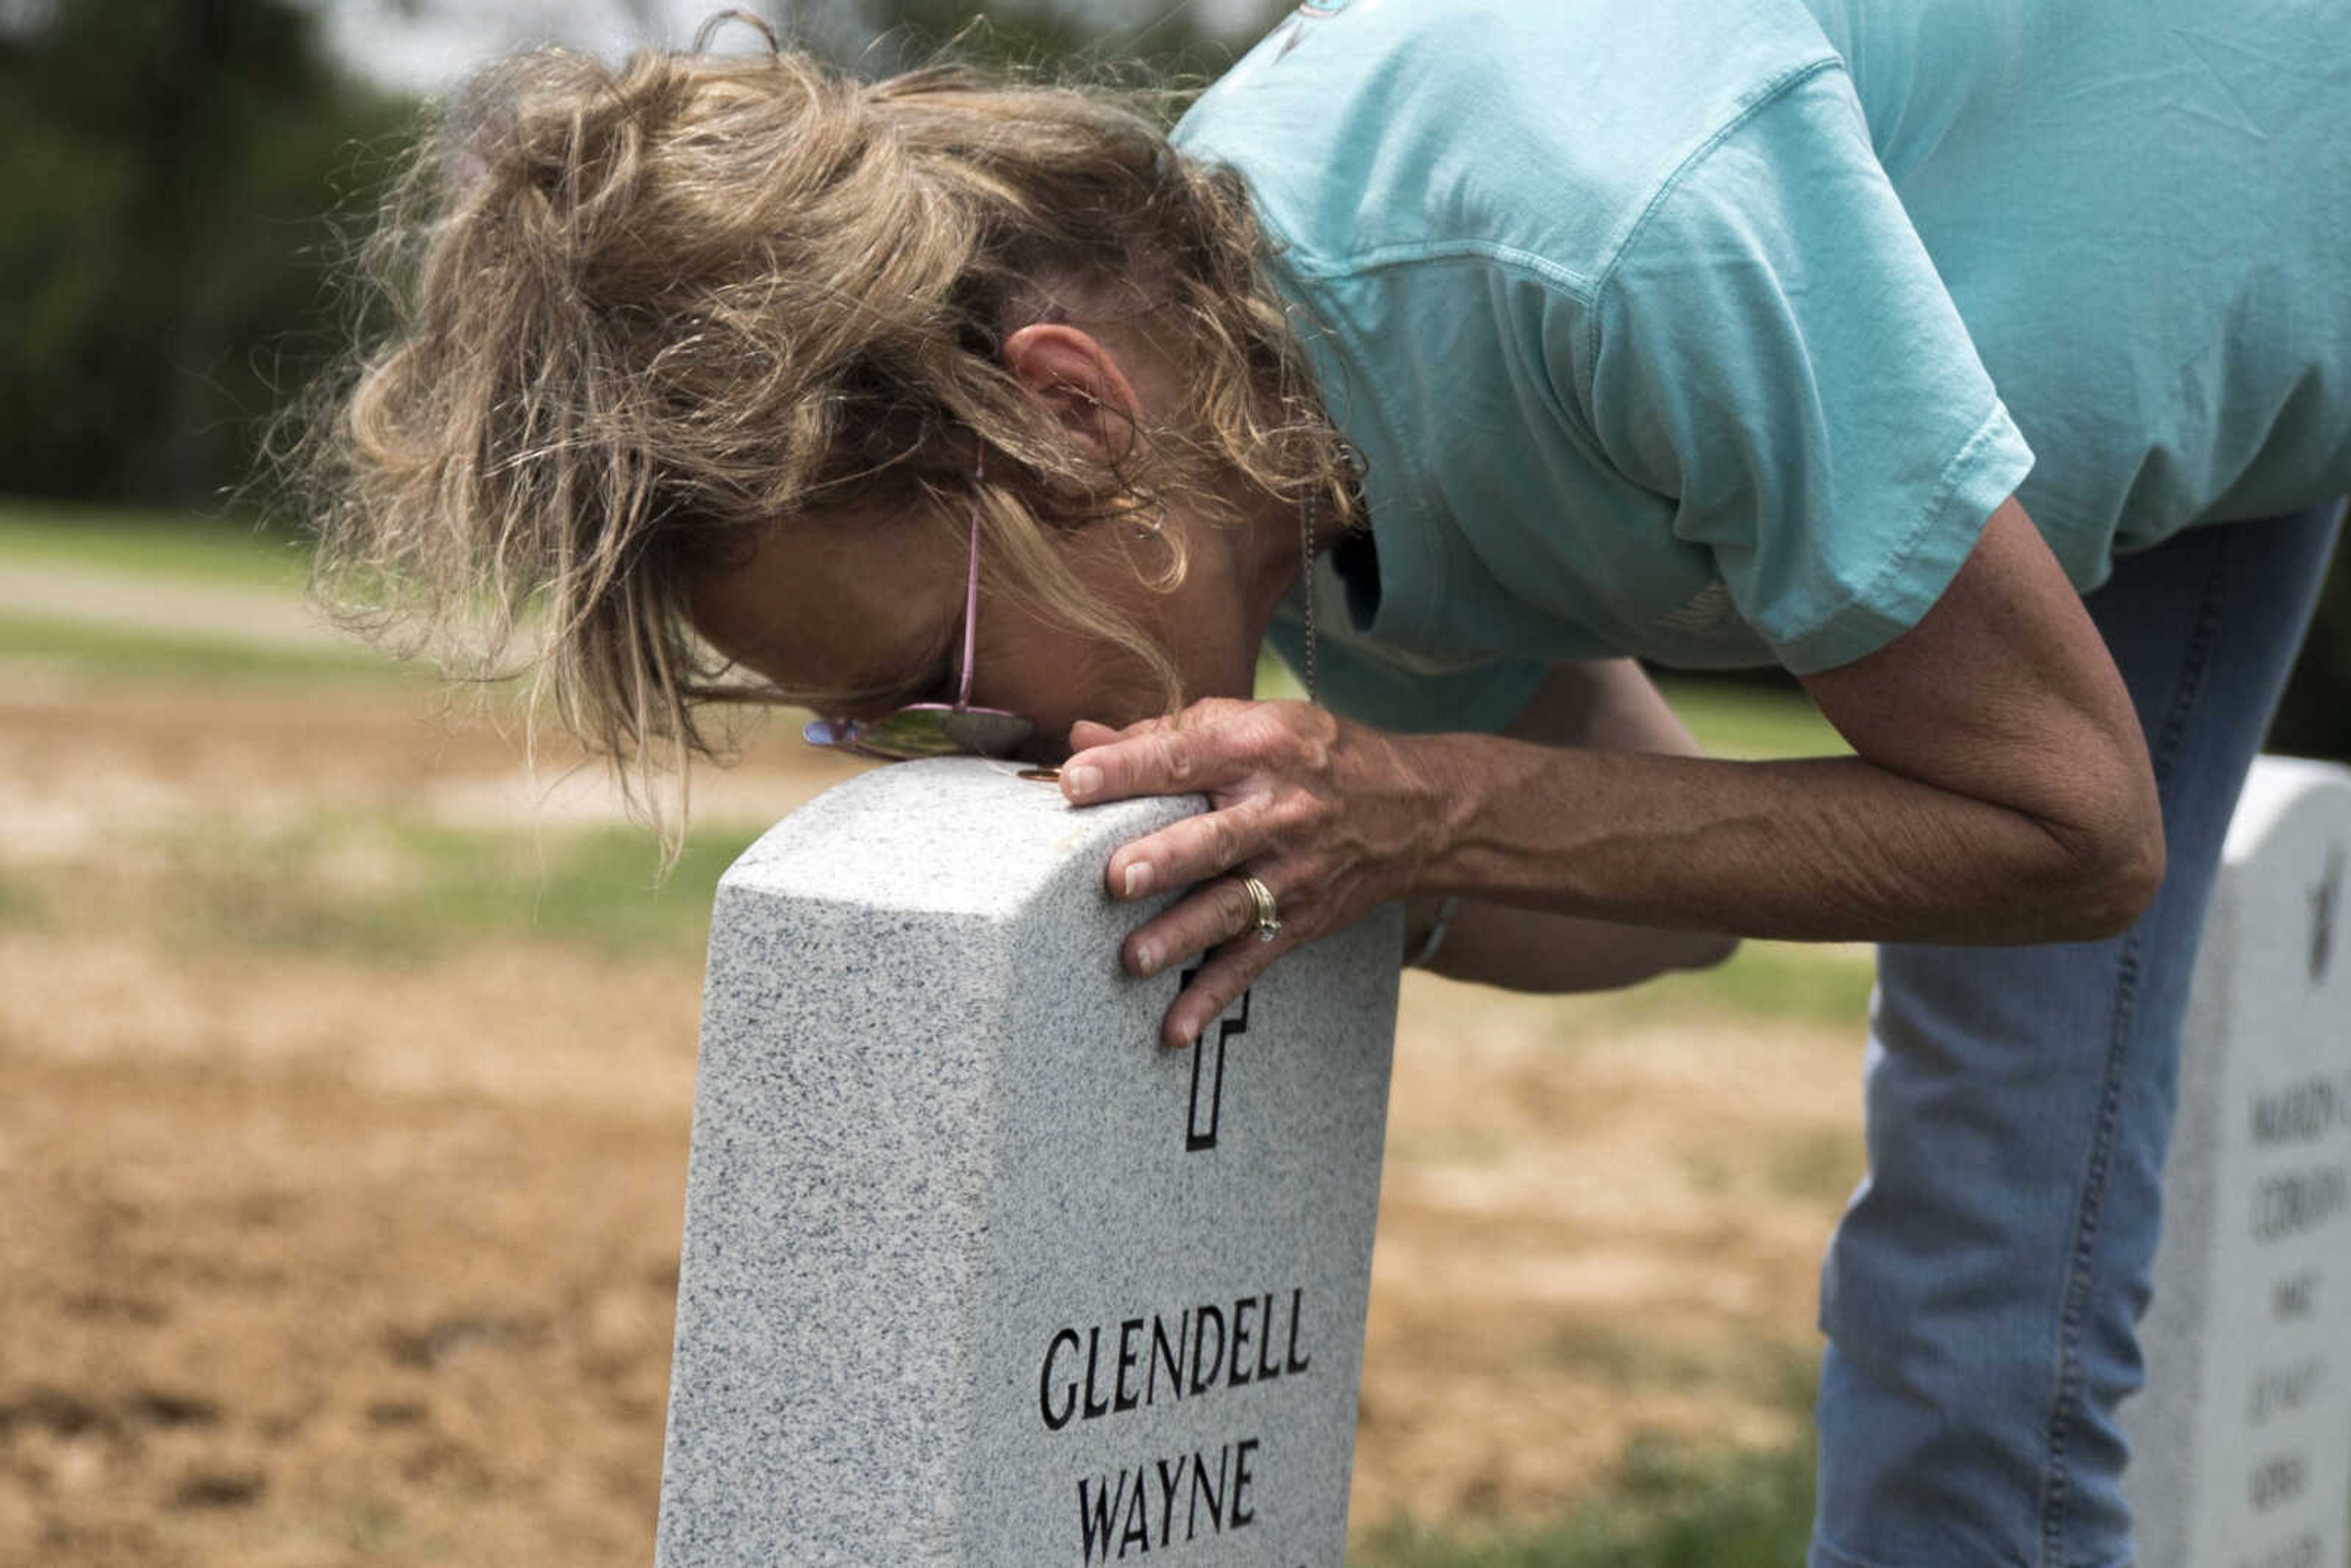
2241,1442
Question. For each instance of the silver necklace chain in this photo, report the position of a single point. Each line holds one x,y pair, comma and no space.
1306,540
1353,457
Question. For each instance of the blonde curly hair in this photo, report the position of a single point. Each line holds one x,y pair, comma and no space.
630,316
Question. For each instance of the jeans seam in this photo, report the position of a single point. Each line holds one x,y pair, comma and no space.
2081,1267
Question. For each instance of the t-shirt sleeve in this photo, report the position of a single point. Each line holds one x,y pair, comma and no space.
1772,349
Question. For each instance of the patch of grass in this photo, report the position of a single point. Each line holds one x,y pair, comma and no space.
394,890
128,654
1621,1358
1822,1165
1790,982
1800,981
1736,720
599,888
166,544
1665,1505
1709,1173
1668,1508
21,903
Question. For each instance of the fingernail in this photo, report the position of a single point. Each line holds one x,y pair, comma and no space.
1146,959
1138,879
1082,781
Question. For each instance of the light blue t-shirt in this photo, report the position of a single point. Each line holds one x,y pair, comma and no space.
1713,330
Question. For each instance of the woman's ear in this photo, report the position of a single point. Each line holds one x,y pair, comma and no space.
1080,384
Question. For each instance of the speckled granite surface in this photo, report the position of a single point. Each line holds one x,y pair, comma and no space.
2241,1442
975,1271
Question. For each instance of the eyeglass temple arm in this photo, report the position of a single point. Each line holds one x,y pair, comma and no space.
971,588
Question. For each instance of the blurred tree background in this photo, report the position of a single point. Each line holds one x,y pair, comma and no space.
180,174
170,168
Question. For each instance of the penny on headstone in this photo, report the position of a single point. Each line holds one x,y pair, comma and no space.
978,1273
2242,1440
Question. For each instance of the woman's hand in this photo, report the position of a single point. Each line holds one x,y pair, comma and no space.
1335,818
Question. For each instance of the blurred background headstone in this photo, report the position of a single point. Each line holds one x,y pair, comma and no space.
2242,1441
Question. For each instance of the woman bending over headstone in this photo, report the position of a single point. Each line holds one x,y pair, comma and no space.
1986,363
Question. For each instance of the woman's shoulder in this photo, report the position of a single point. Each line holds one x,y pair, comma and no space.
1374,132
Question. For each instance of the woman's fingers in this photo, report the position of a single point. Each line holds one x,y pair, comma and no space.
1219,983
1200,749
1162,762
1215,914
1279,777
1193,850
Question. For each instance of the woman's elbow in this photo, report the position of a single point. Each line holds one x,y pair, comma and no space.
2109,880
2130,881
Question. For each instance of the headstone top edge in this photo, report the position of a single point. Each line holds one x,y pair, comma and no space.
2277,789
950,835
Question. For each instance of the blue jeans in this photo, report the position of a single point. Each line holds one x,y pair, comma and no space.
1982,1294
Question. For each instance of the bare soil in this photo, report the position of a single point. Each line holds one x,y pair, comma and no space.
310,1259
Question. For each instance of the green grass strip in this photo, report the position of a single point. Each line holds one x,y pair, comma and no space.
434,888
88,648
157,544
1669,1509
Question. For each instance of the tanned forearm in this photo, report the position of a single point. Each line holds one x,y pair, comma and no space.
1825,850
1999,793
1604,706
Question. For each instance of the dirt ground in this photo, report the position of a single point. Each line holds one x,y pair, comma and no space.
308,1257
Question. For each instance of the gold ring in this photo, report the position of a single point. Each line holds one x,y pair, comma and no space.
1266,919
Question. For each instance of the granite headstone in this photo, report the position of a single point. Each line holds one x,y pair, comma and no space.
2242,1440
978,1273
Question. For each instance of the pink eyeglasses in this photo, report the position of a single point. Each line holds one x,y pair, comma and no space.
933,730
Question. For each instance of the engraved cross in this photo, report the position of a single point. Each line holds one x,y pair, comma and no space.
1208,1073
